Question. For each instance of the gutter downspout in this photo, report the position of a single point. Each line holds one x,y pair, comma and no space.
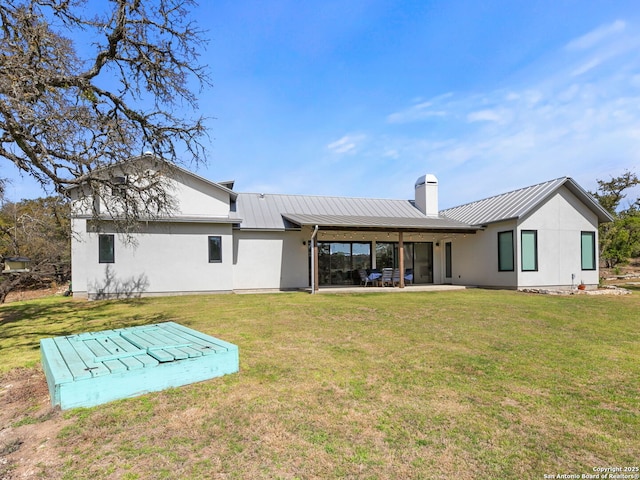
313,259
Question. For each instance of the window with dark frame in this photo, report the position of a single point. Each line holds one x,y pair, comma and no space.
106,249
529,250
448,270
215,249
588,250
505,251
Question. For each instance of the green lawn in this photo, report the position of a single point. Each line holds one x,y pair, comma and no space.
466,384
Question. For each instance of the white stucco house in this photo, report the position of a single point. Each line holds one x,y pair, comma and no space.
220,240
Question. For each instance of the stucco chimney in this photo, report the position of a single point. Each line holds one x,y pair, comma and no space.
427,195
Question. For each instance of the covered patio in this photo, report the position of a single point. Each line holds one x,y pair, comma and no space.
401,243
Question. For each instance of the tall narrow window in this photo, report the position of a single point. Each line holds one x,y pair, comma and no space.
448,270
106,249
215,249
588,250
529,250
505,251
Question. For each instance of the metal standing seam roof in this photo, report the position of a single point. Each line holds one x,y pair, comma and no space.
275,211
347,222
517,203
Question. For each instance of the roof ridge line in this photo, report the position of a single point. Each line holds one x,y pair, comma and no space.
506,193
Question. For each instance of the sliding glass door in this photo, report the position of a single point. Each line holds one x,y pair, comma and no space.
339,262
423,262
418,259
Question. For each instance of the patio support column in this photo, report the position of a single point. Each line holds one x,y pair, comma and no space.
314,260
401,259
316,276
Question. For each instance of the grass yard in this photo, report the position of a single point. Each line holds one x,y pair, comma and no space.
466,384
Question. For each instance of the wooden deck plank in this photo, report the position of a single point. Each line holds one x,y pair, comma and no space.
203,337
140,355
177,353
142,340
115,366
172,345
164,337
206,343
181,347
79,369
55,363
95,335
134,363
187,345
192,352
95,368
96,347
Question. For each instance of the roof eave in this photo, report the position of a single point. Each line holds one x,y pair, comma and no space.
357,228
603,215
168,219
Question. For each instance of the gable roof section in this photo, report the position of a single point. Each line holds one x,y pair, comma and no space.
281,212
149,157
518,203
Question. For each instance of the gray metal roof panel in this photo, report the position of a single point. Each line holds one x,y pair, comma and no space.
351,221
517,203
266,210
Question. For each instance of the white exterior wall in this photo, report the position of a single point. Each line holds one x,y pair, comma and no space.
198,198
80,262
559,222
270,260
166,258
475,258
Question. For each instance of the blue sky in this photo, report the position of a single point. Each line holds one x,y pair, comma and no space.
360,98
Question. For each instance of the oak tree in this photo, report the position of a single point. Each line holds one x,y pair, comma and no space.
85,85
620,239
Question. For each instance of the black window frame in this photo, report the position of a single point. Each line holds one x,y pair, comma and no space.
448,260
535,250
213,258
501,267
104,255
593,250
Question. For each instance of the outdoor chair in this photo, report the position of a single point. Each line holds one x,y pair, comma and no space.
364,279
396,276
408,275
371,278
387,277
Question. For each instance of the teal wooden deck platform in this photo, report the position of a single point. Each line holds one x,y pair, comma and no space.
89,369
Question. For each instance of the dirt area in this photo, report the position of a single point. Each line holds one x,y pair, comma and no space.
622,273
21,295
28,426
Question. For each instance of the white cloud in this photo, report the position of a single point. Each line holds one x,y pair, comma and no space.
557,122
391,153
584,68
489,115
420,111
596,36
346,144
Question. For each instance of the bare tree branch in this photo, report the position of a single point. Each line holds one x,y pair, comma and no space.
68,110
